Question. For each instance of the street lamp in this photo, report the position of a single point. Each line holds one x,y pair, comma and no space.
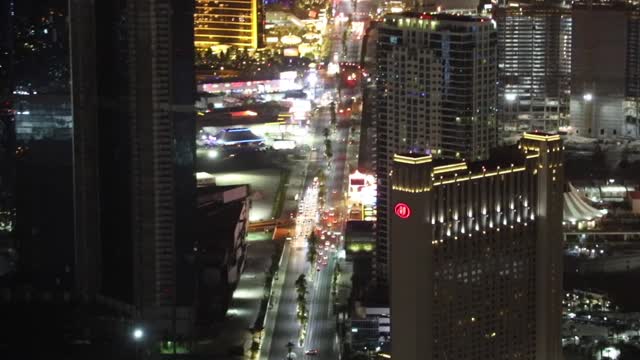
212,154
588,105
137,334
138,337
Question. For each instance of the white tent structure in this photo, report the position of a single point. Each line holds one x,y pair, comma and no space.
577,211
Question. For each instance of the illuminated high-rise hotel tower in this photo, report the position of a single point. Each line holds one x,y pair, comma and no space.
436,92
476,254
228,22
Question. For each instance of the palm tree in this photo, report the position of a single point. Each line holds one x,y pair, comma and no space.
290,346
301,298
329,154
312,255
301,284
327,143
303,317
334,115
312,239
302,309
312,252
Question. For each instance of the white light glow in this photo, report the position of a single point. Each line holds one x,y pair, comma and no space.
312,79
611,353
138,334
333,68
587,97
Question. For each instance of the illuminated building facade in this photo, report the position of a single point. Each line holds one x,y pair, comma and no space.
436,92
228,22
632,91
534,65
481,245
361,196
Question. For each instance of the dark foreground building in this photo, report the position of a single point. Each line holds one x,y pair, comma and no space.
476,254
222,223
133,88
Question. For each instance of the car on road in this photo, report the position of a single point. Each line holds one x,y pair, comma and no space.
311,352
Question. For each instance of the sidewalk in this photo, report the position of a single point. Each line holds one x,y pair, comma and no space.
294,187
245,303
274,301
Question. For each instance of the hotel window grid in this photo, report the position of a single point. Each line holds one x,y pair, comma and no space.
227,22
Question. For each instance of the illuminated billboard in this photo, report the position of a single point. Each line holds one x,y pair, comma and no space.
284,144
362,189
291,52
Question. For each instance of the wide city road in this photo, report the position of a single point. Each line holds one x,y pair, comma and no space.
321,328
286,326
321,333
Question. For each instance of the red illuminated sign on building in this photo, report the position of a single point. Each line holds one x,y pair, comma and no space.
402,210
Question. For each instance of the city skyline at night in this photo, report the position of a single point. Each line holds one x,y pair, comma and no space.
319,179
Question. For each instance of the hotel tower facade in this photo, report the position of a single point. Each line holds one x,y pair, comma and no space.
476,254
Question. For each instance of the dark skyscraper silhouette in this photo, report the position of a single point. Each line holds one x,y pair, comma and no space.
133,92
7,126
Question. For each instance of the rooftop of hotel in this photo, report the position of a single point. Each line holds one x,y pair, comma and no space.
440,16
502,157
541,133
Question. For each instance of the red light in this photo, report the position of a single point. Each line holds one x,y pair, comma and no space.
243,113
402,210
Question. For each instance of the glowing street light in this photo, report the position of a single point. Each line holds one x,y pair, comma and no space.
212,154
587,97
138,334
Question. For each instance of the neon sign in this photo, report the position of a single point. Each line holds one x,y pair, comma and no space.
402,210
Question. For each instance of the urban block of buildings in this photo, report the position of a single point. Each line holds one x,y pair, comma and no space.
534,65
435,93
476,253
